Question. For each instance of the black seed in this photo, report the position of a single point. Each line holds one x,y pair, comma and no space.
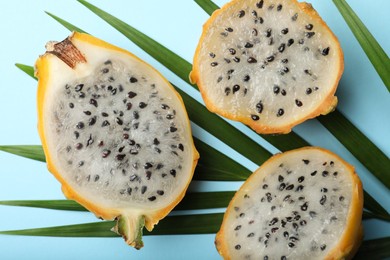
312,214
135,114
160,192
291,244
280,112
282,186
92,120
308,91
341,198
251,234
229,29
148,165
325,173
105,70
120,87
309,26
121,149
133,80
273,221
248,45
232,51
79,146
227,91
238,227
282,47
287,198
134,177
304,207
280,178
298,103
255,117
276,89
290,187
105,153
242,215
324,190
254,32
71,105
113,92
323,247
246,78
267,235
104,114
120,156
158,150
172,129
212,55
259,20
105,123
303,223
279,7
251,60
79,87
148,175
237,247
313,173
270,41
254,13
260,4
173,172
289,219
88,113
323,200
294,17
143,189
80,125
290,42
285,70
131,94
284,31
142,104
265,186
236,59
299,188
236,88
295,226
90,140
268,32
325,51
129,190
259,107
230,71
283,258
213,64
219,79
93,102
181,147
270,58
309,34
241,13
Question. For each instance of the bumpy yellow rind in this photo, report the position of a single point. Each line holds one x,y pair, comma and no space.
328,105
352,236
42,72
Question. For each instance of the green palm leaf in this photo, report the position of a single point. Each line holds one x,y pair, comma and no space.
371,47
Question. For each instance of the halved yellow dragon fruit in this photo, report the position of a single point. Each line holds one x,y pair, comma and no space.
115,133
270,64
302,204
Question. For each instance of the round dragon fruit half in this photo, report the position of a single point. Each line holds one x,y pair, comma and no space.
302,204
270,64
115,133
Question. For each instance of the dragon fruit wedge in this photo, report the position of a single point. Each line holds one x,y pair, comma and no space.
115,133
302,204
270,64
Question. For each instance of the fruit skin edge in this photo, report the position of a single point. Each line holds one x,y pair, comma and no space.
127,220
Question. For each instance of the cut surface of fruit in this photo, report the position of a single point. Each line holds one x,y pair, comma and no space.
270,64
302,204
115,133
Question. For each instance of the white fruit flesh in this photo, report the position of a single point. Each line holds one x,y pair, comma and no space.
250,56
151,155
295,207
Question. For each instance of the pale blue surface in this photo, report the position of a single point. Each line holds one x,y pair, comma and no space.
25,29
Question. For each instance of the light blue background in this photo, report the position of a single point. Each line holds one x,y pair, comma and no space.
25,29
